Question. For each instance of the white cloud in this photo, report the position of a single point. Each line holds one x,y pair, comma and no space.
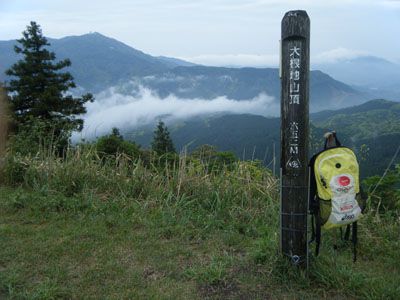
116,110
235,60
271,60
336,55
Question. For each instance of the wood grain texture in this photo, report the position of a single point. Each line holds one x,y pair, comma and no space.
295,66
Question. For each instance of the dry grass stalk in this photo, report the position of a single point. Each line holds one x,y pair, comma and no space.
4,124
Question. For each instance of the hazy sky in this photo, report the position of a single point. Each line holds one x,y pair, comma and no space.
219,32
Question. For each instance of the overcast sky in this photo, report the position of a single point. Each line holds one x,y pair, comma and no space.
219,32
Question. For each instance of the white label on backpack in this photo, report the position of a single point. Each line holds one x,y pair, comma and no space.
345,209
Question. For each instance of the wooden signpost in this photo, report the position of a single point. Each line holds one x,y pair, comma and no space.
294,72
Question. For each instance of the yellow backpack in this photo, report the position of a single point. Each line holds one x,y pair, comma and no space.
334,186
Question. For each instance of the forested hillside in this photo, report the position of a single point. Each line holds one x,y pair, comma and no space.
371,129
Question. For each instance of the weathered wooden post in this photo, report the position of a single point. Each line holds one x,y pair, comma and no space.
295,65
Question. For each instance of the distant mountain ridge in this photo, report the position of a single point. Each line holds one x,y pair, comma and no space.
377,104
369,120
247,83
254,137
175,62
374,75
99,62
365,70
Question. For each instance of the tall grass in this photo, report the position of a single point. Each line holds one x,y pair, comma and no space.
216,227
4,122
182,184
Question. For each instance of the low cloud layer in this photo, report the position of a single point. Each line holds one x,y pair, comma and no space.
337,55
270,60
235,60
112,109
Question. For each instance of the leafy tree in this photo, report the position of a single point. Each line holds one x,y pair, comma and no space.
38,88
115,132
111,145
214,160
205,152
162,142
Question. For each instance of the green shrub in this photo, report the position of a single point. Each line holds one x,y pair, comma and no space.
14,170
384,193
37,136
114,144
214,160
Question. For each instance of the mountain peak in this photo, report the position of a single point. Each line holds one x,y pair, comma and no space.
95,34
90,37
91,34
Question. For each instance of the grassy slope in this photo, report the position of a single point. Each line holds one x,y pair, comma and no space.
81,229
